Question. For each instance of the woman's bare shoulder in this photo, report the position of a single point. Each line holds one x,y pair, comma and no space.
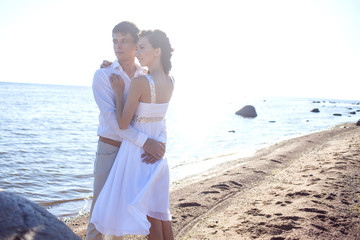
139,80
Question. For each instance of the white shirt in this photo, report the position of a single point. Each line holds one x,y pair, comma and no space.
105,99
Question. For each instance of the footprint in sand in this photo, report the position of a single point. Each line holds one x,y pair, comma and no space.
321,217
186,216
221,186
338,168
323,203
259,172
300,193
293,218
320,227
189,204
330,178
207,192
282,203
254,212
236,183
313,210
284,227
319,195
341,163
277,161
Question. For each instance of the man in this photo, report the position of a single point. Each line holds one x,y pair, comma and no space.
125,37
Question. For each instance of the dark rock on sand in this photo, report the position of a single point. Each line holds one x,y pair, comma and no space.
358,123
315,110
23,219
248,111
337,114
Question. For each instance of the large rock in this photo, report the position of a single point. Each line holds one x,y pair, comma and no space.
315,110
25,220
248,111
358,123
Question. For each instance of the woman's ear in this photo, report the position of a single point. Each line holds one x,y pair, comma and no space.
158,52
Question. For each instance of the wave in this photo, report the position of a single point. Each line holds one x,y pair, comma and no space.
54,203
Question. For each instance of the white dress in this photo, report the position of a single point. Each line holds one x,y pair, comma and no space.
134,189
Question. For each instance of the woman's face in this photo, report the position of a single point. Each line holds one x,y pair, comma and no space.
145,53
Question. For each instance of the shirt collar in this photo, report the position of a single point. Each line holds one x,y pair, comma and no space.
139,69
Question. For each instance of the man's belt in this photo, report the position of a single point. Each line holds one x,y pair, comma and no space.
110,141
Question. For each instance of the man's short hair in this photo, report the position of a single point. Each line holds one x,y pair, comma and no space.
127,27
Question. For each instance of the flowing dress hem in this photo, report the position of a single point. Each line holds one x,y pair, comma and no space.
139,211
112,232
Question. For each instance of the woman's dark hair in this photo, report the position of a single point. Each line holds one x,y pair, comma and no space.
158,39
127,27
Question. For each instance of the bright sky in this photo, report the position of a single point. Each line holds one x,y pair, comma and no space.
302,48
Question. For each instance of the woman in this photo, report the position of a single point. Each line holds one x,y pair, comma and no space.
135,197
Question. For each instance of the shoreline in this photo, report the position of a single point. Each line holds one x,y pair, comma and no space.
224,202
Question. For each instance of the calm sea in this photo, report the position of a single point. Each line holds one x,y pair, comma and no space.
48,137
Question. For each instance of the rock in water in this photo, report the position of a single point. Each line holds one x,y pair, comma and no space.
248,111
315,110
23,219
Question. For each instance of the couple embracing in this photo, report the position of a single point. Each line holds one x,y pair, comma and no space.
131,177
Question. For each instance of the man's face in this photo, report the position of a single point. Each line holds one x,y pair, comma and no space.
124,46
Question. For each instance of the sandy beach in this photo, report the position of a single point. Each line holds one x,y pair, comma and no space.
302,188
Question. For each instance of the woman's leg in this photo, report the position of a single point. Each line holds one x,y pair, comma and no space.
156,232
167,230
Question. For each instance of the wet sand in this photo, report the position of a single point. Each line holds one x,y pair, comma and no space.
303,188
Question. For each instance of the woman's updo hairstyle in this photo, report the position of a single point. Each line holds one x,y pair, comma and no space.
158,39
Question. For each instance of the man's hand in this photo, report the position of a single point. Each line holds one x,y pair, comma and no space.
105,64
154,151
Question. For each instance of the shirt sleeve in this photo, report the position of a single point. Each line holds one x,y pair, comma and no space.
105,100
163,133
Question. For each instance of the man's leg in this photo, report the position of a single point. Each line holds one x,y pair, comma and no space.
105,157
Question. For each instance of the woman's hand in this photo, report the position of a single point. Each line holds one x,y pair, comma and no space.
117,83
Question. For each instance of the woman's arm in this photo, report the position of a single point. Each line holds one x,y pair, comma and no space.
125,111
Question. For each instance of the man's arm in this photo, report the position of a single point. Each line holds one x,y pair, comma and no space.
105,100
154,148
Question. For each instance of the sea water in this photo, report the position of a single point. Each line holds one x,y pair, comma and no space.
48,137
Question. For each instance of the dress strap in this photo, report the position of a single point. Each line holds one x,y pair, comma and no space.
172,79
152,88
173,82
